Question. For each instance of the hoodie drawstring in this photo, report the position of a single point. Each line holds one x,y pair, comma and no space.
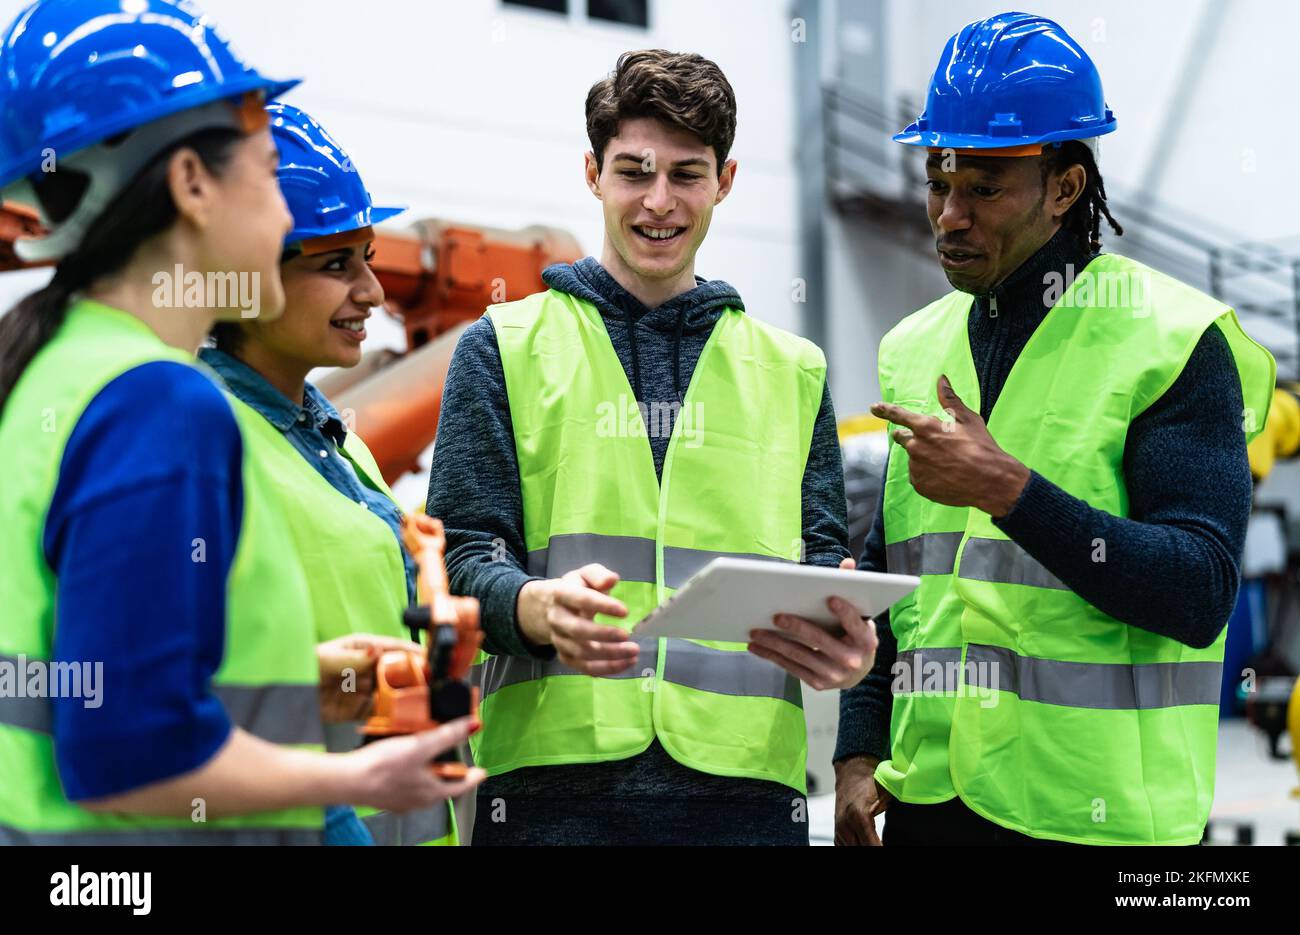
636,360
677,354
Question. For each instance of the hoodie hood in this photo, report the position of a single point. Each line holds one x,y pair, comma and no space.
690,313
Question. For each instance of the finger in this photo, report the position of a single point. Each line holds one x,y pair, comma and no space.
903,437
592,650
860,631
798,671
430,743
898,415
846,833
598,576
828,666
816,638
848,564
802,630
949,399
872,835
860,821
603,668
589,603
577,628
335,661
849,827
580,652
381,644
457,788
794,667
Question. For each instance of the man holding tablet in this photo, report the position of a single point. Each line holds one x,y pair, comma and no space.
601,442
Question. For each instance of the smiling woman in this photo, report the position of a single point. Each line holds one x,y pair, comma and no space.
340,513
144,533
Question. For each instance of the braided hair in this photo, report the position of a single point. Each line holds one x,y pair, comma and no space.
1083,219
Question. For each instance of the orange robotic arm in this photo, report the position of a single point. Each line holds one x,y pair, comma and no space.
438,277
415,692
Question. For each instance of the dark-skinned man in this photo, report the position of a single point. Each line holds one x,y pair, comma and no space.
1067,476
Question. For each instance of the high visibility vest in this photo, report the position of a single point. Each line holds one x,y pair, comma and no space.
1042,713
357,585
731,485
268,678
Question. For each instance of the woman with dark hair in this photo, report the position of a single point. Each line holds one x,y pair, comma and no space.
342,516
157,614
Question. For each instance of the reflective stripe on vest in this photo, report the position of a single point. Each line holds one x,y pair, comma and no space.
1050,681
731,485
725,671
390,830
276,713
1056,720
268,674
998,560
1114,686
195,835
287,714
931,553
914,670
630,557
1001,561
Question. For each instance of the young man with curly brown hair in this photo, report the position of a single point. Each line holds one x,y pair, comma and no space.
599,443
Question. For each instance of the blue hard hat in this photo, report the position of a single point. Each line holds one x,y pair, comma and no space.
1011,80
74,73
322,187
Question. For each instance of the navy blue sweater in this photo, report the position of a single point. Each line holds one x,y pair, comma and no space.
1172,566
474,488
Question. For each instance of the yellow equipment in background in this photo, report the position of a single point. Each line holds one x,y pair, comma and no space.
1280,440
1281,435
1293,726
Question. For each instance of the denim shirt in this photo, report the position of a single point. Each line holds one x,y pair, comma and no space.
317,432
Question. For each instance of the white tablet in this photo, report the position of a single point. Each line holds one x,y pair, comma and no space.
731,596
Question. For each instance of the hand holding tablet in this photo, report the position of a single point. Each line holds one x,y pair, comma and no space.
805,618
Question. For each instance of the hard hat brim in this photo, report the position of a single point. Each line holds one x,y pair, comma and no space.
324,240
379,215
934,139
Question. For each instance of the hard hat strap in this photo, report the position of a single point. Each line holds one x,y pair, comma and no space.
110,167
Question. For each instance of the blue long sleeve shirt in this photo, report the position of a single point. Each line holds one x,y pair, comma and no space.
140,535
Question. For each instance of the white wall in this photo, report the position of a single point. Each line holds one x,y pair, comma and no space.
474,110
